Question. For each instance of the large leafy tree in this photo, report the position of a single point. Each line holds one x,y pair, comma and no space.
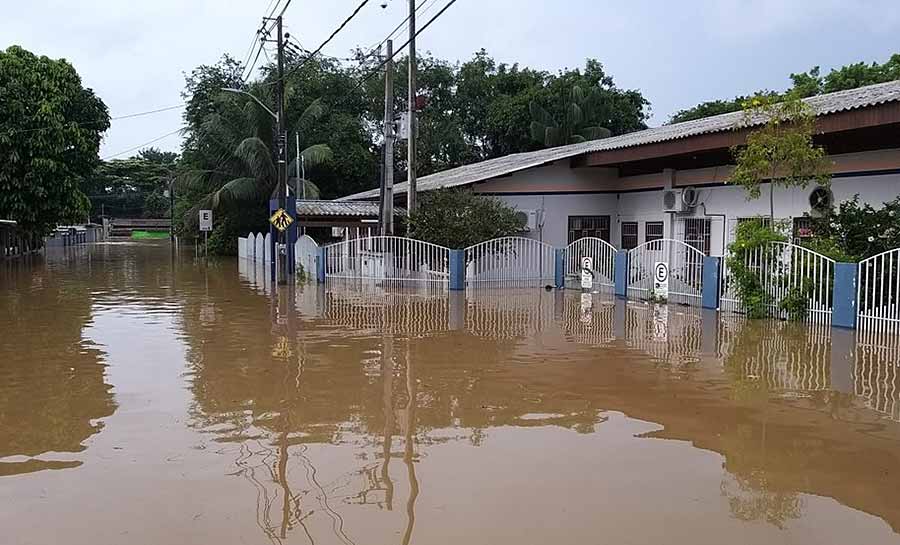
50,132
577,106
133,187
781,151
805,84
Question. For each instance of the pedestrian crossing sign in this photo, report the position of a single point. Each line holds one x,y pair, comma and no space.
281,220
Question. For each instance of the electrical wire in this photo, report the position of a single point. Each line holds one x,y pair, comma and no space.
145,144
117,118
418,31
328,40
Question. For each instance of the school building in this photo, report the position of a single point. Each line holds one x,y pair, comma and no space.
672,181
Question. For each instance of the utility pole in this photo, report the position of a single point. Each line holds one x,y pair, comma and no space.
281,145
411,132
387,207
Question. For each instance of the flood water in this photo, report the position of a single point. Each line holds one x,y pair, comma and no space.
150,398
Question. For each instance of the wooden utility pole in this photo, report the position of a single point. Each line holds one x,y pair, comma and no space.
281,145
411,132
387,206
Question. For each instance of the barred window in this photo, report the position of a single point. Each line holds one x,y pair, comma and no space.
653,230
588,226
629,235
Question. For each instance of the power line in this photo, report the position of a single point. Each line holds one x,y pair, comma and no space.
145,144
419,31
327,41
101,121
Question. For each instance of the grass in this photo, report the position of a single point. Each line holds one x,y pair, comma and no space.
143,235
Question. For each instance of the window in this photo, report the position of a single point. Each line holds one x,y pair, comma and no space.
653,230
629,235
588,226
802,229
697,233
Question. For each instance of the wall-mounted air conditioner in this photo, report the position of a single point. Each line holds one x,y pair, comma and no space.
680,201
531,220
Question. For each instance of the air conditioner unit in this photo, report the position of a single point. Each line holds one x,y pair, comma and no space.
680,201
531,220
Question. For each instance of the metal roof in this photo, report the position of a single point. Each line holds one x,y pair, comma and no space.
340,208
862,97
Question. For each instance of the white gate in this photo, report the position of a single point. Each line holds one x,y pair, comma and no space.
510,262
782,269
259,248
306,251
878,299
603,255
685,270
388,260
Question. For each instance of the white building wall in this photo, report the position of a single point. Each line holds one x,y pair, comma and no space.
539,189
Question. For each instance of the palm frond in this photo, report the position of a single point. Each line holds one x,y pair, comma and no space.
237,190
254,153
541,115
314,111
308,190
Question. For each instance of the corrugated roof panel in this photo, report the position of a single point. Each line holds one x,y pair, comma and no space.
862,97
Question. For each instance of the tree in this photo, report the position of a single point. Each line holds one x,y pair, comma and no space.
457,218
578,106
782,151
50,133
804,84
132,187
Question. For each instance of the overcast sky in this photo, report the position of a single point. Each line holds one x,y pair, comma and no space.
678,53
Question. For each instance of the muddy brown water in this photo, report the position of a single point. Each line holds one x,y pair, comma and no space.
149,398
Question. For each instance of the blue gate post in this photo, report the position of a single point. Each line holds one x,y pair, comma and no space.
712,271
320,266
621,280
844,296
559,267
457,270
290,236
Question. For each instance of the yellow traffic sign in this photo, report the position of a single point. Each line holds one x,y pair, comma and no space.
281,220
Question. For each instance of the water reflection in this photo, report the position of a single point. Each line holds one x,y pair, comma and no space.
354,414
54,392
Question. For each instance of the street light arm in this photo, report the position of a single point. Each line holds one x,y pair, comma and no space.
256,100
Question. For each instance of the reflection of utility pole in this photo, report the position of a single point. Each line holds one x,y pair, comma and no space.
387,375
408,453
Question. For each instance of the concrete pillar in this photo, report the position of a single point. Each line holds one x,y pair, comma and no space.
560,268
457,311
621,273
457,270
845,290
320,266
842,360
712,269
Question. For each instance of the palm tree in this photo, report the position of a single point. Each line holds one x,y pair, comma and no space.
580,109
236,143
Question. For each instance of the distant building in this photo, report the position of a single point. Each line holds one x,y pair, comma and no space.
629,189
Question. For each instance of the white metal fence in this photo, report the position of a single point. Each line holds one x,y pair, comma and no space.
603,257
685,270
785,270
878,299
306,252
388,260
510,262
255,248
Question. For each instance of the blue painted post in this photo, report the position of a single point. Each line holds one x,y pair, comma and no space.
320,266
560,268
457,270
712,270
844,296
621,280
